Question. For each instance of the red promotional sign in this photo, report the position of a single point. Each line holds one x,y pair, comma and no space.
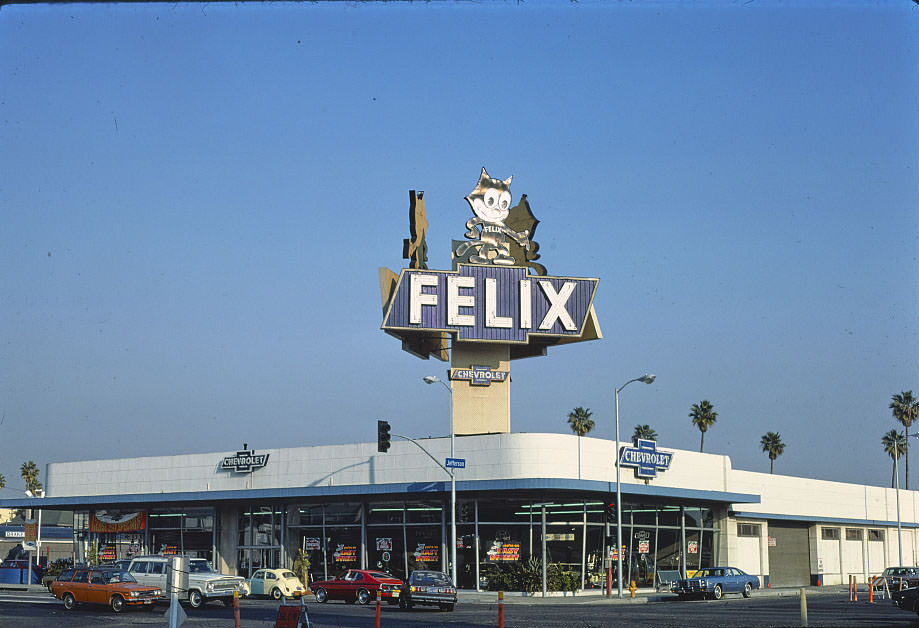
113,521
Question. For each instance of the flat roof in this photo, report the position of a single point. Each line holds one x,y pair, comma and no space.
373,490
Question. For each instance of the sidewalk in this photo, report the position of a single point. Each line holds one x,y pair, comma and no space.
642,596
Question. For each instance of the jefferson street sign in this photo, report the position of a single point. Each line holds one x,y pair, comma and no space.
455,463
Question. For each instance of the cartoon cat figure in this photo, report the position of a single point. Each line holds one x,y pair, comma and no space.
491,202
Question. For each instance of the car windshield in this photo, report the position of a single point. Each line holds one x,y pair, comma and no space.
199,566
118,576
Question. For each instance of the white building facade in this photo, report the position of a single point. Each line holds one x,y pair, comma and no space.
520,496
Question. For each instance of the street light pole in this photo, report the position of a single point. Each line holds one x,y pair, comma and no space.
430,379
646,379
896,472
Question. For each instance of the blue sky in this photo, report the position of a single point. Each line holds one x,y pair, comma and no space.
196,199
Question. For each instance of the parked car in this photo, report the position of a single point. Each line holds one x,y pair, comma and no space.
114,587
907,599
714,582
898,578
358,585
432,588
204,583
276,583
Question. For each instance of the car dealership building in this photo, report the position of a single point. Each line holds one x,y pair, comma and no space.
519,496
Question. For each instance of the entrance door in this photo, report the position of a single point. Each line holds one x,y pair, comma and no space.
251,559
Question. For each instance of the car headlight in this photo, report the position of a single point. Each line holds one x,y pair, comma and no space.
210,586
134,593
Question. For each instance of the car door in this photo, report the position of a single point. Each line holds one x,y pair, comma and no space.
97,592
139,571
737,580
79,586
257,584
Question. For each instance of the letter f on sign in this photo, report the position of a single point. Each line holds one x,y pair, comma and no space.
417,298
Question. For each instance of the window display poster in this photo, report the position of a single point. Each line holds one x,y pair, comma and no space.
503,551
426,553
384,544
692,547
644,547
345,553
311,544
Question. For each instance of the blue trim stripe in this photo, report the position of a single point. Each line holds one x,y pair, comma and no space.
813,519
360,490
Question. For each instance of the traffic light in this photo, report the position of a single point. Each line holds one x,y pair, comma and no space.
611,513
383,436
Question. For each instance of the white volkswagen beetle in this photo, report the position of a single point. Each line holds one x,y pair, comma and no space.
276,583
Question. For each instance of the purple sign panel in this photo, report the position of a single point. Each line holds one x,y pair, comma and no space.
490,303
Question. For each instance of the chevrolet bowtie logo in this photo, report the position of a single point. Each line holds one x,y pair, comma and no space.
244,462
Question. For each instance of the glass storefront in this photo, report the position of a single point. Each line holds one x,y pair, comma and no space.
169,532
500,542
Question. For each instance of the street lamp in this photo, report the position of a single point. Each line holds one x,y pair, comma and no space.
646,379
430,379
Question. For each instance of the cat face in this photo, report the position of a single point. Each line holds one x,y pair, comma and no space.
491,198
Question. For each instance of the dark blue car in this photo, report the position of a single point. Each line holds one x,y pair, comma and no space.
714,582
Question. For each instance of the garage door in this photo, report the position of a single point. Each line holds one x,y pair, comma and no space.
789,555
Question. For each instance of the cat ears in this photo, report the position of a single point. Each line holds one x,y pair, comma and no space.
484,177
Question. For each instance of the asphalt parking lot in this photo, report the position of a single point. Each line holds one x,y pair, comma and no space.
828,606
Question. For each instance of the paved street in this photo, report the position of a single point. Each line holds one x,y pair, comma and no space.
37,610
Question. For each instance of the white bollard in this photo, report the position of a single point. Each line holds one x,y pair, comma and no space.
804,607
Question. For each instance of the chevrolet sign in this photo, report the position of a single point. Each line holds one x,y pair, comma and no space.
244,462
645,458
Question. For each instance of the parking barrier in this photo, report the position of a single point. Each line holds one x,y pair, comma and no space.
378,609
500,609
871,590
236,609
804,607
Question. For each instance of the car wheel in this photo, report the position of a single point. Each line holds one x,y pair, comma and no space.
69,601
363,596
275,594
117,603
716,592
322,596
446,607
195,599
404,604
747,590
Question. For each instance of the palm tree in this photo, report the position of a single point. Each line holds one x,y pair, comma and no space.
644,431
772,445
580,421
905,409
703,416
894,445
29,473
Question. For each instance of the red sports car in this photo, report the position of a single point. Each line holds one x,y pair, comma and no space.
357,585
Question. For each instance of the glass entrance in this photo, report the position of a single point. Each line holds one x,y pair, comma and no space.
250,559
